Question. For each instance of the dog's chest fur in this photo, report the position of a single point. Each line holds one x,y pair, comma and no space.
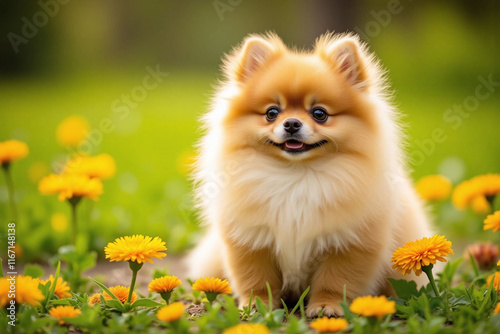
296,213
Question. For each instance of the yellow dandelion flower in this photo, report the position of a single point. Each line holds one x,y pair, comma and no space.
59,222
482,185
492,221
329,325
60,312
215,285
94,299
164,284
171,312
434,187
136,248
101,166
11,150
496,281
370,306
121,292
26,290
497,309
70,185
247,329
415,254
480,205
72,131
62,287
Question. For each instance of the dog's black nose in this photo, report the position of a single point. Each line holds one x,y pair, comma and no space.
292,125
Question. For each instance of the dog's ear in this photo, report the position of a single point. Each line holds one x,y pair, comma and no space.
254,54
348,57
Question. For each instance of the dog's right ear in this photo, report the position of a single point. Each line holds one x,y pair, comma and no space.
254,54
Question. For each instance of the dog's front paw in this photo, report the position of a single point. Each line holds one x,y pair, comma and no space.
326,308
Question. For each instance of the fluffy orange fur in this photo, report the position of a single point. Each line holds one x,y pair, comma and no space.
323,205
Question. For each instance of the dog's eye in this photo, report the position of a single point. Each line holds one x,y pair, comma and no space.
319,115
272,114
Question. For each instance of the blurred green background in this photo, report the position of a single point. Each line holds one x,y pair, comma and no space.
61,58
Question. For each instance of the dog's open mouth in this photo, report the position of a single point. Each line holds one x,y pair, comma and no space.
294,146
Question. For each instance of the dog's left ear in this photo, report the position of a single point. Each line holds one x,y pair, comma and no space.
255,53
347,56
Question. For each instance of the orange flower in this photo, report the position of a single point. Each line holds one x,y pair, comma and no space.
62,288
496,281
11,150
164,284
370,306
171,312
136,248
434,187
101,166
70,185
72,131
121,293
211,284
497,309
60,312
415,254
247,329
26,287
480,186
492,222
94,299
329,325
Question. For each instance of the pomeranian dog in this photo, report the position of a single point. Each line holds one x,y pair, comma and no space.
301,175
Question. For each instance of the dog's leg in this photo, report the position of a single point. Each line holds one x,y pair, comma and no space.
250,270
356,268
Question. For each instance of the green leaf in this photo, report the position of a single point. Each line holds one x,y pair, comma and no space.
52,286
145,303
300,303
33,270
61,302
115,304
446,277
404,289
87,261
269,296
104,288
261,307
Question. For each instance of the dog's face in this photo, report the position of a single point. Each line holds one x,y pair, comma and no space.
299,106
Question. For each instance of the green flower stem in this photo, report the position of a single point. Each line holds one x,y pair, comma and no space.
73,201
166,296
10,189
373,325
428,271
211,296
135,267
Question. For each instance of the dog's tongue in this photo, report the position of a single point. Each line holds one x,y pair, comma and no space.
293,144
